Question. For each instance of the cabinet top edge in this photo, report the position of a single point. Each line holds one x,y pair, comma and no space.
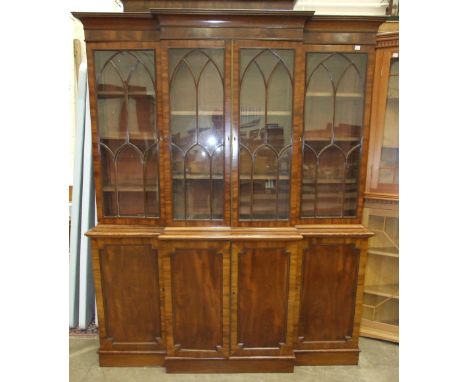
154,12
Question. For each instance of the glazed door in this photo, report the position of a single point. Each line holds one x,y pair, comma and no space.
262,298
335,125
264,105
197,298
123,90
385,144
197,104
329,278
129,298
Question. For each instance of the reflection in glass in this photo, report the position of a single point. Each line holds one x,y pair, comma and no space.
331,144
265,131
126,104
197,133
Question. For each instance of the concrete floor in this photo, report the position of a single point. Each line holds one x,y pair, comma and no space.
378,363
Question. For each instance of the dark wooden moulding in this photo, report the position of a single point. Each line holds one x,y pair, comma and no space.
234,297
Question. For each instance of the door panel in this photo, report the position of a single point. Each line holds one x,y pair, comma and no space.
328,292
129,275
262,282
198,294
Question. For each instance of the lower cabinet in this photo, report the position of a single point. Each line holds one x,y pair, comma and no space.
229,305
129,301
329,282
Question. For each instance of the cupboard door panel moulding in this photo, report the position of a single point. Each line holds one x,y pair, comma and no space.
127,271
196,279
262,298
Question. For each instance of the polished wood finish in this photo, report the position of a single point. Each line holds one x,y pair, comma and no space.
327,357
144,5
125,271
263,295
329,281
233,365
197,292
227,295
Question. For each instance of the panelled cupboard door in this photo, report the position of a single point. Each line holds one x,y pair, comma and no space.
263,294
328,287
127,274
197,298
264,108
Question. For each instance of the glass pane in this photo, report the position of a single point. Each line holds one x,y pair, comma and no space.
265,170
108,181
319,106
217,166
126,111
330,179
197,133
333,116
389,156
265,132
309,169
152,182
183,107
129,162
381,288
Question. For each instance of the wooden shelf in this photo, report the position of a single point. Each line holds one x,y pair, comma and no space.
192,113
129,188
132,136
384,251
260,114
337,139
117,94
264,177
196,177
338,95
389,290
379,330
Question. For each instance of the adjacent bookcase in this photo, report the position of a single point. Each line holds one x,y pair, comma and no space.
381,292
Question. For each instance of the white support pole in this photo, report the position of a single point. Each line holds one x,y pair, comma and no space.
76,197
86,292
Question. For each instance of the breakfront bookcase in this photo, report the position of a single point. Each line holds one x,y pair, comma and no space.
230,149
380,315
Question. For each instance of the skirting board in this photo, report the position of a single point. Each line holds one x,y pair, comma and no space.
327,357
263,365
124,359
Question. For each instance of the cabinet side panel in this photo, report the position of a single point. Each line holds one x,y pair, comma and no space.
197,298
263,297
329,284
131,293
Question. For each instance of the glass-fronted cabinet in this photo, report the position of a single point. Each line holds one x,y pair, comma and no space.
265,133
125,93
381,292
197,145
332,135
292,118
384,146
